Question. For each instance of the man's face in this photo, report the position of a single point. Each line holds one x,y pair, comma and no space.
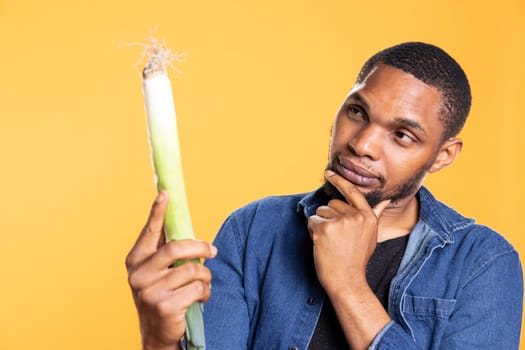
387,134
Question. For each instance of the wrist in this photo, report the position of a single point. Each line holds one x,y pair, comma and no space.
354,284
152,346
171,347
357,290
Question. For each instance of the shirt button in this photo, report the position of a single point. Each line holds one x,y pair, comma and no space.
293,348
310,301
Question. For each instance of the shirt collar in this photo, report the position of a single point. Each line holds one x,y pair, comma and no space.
311,201
441,218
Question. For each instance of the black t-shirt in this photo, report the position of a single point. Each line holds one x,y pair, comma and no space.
381,268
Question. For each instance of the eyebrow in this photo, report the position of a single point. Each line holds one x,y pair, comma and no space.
404,121
411,123
356,96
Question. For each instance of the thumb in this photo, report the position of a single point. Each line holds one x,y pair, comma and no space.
378,209
152,235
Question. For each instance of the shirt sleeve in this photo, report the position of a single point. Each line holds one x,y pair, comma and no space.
393,337
226,316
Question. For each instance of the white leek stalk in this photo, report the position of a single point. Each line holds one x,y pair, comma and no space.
165,152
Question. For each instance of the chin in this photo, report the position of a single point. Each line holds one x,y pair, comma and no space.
373,197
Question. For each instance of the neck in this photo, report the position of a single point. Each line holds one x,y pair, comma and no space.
398,219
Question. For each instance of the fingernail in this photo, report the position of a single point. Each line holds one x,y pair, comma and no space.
329,172
213,250
160,197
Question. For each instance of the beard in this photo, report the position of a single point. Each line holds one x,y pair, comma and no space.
374,197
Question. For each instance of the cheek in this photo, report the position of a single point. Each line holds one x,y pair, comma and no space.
396,171
342,131
401,167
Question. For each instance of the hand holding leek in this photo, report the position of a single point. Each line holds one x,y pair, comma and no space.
162,293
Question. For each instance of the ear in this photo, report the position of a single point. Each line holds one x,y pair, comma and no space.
448,151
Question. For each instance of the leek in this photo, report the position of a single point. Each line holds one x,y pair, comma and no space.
165,153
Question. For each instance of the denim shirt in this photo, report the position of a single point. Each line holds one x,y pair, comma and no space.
459,285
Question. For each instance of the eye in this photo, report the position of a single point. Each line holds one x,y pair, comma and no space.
356,112
405,137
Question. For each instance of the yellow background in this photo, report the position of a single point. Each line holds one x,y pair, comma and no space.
261,85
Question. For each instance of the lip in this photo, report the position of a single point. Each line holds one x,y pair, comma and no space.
356,174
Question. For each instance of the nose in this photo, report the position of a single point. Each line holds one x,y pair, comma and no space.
366,143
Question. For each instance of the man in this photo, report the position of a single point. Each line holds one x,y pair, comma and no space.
369,260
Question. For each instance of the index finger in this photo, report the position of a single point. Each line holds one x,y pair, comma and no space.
151,235
348,190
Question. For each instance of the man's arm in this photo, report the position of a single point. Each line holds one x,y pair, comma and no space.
344,237
226,316
162,294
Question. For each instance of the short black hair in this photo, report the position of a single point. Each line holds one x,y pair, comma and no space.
434,67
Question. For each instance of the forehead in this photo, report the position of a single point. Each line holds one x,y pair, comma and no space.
391,92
